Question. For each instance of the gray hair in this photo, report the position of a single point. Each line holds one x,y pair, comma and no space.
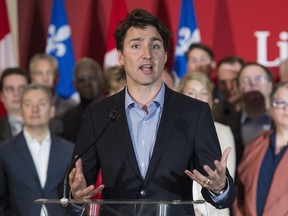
35,86
43,56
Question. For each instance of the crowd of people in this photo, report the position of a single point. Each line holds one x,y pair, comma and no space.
228,136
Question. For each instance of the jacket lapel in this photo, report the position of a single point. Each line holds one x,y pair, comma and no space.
25,156
122,130
277,196
6,129
52,163
169,115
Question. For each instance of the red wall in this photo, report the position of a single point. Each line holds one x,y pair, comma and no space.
226,26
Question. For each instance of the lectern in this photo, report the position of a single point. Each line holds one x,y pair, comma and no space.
128,207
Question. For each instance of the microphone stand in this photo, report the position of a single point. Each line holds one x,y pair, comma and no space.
113,116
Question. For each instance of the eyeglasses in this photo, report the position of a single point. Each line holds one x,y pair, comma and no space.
280,104
257,80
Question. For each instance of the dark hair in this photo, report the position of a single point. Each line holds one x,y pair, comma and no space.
267,71
140,18
88,64
230,60
13,71
202,47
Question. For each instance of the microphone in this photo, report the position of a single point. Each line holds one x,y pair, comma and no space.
113,116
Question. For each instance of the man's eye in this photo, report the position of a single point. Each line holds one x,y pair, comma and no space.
135,46
155,46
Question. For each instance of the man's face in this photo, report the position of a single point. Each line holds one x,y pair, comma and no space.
143,56
254,78
279,109
44,73
87,84
227,79
13,86
199,60
36,109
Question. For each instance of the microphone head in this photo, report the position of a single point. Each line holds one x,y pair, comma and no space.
113,115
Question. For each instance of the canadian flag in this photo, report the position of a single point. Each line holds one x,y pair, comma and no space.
118,13
7,56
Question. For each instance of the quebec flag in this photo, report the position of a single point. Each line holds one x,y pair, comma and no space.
59,45
188,33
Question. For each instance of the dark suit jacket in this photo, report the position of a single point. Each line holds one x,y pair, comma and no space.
19,182
5,129
186,139
71,121
55,126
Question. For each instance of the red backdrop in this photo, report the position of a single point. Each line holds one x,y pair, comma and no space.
228,27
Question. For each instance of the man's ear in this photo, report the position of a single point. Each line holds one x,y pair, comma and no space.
120,57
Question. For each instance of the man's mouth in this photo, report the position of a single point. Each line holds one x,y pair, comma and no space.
146,67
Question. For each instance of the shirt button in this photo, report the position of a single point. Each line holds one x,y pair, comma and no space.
143,193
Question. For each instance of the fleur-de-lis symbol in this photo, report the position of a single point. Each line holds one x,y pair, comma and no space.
56,39
186,38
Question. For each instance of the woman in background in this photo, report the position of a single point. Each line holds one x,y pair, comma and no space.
114,80
263,175
197,85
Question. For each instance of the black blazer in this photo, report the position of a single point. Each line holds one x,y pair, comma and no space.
19,182
186,139
5,129
55,126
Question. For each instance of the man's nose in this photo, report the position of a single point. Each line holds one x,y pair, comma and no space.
146,52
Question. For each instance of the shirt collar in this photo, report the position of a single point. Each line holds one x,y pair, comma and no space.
245,116
129,102
12,119
30,139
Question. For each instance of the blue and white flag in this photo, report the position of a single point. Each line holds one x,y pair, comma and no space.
59,45
188,33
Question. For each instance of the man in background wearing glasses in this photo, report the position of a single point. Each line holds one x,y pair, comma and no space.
12,83
255,84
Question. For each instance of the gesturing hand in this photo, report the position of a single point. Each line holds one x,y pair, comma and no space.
78,184
216,179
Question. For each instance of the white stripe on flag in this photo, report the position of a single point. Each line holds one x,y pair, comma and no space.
7,53
111,58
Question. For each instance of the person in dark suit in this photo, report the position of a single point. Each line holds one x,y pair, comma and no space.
158,144
88,82
32,164
12,82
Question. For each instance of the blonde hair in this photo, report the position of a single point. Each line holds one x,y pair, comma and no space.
202,78
113,78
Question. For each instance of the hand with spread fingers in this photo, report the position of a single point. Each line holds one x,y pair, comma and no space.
216,179
78,184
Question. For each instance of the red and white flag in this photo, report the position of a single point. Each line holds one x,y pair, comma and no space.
7,56
118,13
